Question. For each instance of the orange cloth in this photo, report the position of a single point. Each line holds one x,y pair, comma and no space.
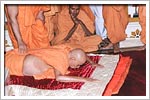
115,21
119,76
51,20
89,43
88,11
33,32
56,56
142,21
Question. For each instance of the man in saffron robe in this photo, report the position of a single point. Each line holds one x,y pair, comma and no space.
51,18
76,28
142,21
43,63
115,21
26,26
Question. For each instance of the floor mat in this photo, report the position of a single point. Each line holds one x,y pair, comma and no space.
111,79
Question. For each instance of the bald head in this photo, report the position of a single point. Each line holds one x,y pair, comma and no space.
77,57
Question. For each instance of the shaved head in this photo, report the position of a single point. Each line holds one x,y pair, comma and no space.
77,57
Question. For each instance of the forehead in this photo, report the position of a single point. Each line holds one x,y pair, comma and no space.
74,6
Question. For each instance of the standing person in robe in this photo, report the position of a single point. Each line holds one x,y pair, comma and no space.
43,63
76,29
142,21
51,20
26,26
115,21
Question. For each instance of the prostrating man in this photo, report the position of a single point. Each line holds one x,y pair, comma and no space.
43,63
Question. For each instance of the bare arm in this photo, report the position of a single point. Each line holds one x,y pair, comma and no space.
93,63
86,30
78,21
71,32
13,12
75,79
64,78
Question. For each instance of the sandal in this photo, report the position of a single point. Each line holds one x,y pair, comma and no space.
110,49
104,43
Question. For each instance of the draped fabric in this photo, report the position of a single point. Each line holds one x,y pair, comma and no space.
51,84
51,56
32,30
142,21
51,20
87,43
119,76
88,11
115,21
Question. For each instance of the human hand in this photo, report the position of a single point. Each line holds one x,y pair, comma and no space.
97,65
92,80
22,48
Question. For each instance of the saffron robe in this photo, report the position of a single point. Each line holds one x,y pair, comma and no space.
51,56
32,30
142,21
78,39
51,20
115,21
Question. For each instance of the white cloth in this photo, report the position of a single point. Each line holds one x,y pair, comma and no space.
99,21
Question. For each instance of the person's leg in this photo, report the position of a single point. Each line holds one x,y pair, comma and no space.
33,65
